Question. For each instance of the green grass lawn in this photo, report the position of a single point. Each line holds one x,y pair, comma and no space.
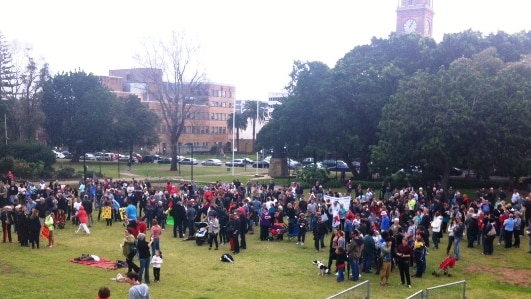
278,269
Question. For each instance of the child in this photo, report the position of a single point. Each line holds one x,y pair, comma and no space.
341,258
83,220
303,224
107,210
157,263
104,293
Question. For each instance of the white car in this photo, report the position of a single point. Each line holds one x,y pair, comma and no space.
213,162
58,155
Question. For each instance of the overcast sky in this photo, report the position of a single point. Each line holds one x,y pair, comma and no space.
249,44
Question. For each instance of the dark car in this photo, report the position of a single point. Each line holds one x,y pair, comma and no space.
340,166
151,158
260,164
164,160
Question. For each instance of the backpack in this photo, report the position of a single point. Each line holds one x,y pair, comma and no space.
492,231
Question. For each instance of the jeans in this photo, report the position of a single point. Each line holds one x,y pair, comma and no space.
488,245
436,239
144,269
191,230
457,245
355,268
340,274
155,245
367,263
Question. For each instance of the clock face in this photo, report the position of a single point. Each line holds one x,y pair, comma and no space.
410,26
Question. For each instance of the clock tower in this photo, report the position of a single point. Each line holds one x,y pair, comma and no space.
415,16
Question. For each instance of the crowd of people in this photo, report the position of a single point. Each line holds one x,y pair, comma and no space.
368,232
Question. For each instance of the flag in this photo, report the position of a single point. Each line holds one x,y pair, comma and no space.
45,233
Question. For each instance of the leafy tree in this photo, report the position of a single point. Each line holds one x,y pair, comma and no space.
473,112
78,107
239,123
135,124
254,111
175,81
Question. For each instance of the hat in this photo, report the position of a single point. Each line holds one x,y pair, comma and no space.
41,198
383,213
396,219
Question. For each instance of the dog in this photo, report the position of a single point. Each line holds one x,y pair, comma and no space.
227,258
321,267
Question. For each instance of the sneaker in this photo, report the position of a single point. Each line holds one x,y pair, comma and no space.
360,275
337,273
302,244
298,243
409,286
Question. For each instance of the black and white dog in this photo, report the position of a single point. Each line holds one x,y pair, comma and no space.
227,258
322,268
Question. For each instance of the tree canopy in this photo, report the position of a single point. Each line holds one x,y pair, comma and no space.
407,100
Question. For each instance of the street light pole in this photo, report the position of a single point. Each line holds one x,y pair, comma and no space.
192,162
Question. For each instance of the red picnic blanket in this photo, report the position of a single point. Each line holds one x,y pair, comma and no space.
102,263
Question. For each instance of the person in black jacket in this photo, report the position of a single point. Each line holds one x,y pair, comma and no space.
233,230
179,215
34,228
87,204
319,231
22,226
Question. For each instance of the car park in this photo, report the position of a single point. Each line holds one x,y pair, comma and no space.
212,162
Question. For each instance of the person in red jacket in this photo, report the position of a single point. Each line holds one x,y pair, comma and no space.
83,220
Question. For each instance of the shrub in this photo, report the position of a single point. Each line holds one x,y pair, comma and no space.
66,173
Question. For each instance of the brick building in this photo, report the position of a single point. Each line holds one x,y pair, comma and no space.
206,124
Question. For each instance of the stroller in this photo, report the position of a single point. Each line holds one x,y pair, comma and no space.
445,266
201,233
277,231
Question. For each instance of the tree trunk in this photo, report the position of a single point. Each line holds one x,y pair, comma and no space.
173,140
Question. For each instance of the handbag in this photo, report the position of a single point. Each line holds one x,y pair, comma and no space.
492,231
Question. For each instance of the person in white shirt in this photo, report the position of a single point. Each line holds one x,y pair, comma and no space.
436,229
156,261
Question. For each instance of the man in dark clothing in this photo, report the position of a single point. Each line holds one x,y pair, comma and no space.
179,216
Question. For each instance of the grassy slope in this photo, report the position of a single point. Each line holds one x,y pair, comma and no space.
278,269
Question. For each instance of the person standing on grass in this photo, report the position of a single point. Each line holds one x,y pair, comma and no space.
34,228
156,261
138,290
303,225
529,237
49,222
144,257
341,259
508,228
385,253
83,220
129,251
213,230
459,229
156,231
404,252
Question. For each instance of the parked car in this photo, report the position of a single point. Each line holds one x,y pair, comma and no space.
307,161
317,165
247,161
236,163
340,166
105,157
67,154
260,164
188,161
125,158
58,155
151,158
164,160
213,162
292,164
88,156
332,163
